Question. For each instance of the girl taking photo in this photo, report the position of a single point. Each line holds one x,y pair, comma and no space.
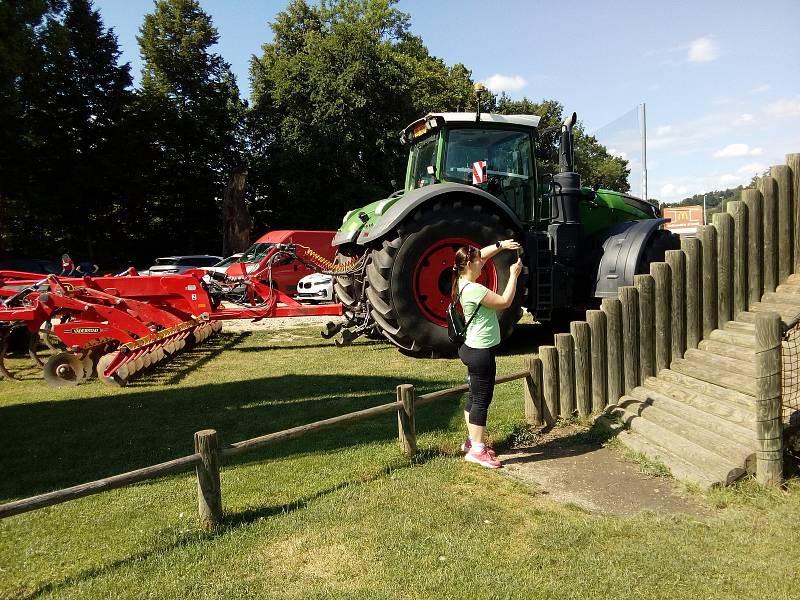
483,336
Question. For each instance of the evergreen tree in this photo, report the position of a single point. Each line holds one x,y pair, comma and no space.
190,112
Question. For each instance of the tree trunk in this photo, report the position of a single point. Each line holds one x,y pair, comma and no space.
236,222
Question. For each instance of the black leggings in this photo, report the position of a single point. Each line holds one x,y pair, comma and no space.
482,370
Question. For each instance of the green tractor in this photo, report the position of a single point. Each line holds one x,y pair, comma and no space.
472,180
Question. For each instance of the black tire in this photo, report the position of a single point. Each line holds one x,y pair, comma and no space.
348,289
391,268
656,248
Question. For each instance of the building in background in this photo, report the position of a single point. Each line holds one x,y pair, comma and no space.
684,220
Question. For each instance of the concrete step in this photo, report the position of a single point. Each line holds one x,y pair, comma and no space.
742,402
728,350
706,372
712,465
658,409
726,418
726,363
680,468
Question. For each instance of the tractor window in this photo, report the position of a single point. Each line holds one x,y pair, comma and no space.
423,155
509,164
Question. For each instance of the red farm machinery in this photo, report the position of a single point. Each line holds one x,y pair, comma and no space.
120,326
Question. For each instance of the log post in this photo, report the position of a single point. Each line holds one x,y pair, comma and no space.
723,223
694,291
582,336
738,210
676,259
406,419
647,325
769,200
549,357
597,325
769,423
662,275
565,344
612,307
533,389
783,179
209,494
707,234
793,160
755,245
629,298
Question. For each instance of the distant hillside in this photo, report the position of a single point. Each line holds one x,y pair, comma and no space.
715,201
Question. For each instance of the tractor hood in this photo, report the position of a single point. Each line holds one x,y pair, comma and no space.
635,207
361,219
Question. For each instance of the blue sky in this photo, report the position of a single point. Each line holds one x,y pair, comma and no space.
720,79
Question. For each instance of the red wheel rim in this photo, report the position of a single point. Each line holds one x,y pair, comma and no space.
433,277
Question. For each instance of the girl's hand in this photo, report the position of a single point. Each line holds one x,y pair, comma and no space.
516,268
509,245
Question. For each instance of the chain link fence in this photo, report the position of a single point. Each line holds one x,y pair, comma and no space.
790,373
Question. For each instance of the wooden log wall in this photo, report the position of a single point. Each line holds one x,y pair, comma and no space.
747,251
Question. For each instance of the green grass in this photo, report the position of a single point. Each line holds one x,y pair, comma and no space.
339,513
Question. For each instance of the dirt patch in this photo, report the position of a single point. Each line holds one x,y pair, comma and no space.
276,324
571,470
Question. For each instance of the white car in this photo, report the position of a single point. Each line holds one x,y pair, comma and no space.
315,287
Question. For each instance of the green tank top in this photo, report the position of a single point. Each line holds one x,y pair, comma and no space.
484,330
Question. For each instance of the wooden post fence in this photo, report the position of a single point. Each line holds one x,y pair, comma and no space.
209,494
646,287
793,160
533,390
694,291
755,245
662,275
769,200
597,325
738,211
550,392
406,419
782,175
629,297
676,259
707,235
769,425
581,334
612,307
723,224
566,374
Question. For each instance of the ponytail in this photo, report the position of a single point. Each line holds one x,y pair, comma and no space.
463,256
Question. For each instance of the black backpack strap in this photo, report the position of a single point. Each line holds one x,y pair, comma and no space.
475,312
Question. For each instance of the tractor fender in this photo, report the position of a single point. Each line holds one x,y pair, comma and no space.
622,249
411,201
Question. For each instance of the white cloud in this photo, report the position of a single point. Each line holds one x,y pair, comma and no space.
728,179
671,190
760,89
735,150
505,83
703,49
618,153
743,118
788,107
664,130
751,169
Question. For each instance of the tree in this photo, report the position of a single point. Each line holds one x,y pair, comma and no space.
74,102
191,115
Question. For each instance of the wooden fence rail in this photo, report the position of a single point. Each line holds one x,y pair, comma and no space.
208,453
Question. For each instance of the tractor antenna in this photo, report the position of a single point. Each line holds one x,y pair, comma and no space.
480,89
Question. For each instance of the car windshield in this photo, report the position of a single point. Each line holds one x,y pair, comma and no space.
423,155
507,154
227,262
160,262
256,252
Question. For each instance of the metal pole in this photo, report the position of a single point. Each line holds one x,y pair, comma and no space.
644,151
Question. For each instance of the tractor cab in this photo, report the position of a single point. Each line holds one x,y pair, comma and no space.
492,152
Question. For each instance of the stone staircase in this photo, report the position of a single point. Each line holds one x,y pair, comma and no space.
698,416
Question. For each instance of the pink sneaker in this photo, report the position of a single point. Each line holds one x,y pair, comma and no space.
467,446
483,459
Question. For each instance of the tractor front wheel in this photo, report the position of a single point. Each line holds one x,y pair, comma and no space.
410,275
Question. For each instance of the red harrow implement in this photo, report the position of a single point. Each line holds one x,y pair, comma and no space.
119,326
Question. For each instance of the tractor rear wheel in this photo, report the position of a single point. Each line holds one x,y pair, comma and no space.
656,248
410,275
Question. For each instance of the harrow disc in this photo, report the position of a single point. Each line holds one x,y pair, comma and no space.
116,380
88,366
63,369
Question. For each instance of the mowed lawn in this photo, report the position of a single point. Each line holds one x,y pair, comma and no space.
340,513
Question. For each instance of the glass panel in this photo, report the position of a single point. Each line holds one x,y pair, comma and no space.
509,164
423,155
256,252
166,261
